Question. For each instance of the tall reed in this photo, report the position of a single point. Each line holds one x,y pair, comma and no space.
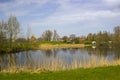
56,64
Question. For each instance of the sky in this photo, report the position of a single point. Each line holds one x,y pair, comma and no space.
79,17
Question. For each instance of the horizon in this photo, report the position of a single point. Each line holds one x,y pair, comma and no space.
79,17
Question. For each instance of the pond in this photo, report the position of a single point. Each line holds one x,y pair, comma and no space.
58,59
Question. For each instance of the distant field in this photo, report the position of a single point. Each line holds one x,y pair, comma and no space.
101,73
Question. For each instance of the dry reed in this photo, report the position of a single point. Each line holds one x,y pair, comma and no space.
59,64
51,46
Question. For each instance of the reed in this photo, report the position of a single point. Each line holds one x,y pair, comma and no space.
58,65
53,46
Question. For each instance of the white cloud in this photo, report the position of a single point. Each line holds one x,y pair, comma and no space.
112,2
69,13
17,7
73,18
66,14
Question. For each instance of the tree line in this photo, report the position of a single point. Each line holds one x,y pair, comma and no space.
10,29
104,38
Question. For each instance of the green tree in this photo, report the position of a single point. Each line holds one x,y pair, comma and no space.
102,38
91,37
77,40
117,35
65,38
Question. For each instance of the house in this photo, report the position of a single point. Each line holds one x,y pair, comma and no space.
93,42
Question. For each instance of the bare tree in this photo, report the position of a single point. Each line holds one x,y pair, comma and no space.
117,34
28,33
13,29
72,38
117,30
47,35
3,32
55,36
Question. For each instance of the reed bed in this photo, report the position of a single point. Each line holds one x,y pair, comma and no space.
53,46
57,65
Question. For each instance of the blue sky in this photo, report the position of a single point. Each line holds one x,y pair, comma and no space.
78,17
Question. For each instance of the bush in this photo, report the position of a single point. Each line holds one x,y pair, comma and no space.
87,42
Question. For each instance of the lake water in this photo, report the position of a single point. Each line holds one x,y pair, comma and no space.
57,57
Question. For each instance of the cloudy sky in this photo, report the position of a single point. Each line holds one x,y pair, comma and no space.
78,17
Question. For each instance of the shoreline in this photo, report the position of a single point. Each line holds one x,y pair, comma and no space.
44,46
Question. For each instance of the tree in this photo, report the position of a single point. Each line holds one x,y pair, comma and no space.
65,38
33,38
102,38
13,29
82,39
72,37
117,35
55,36
28,33
47,35
2,31
77,40
90,37
117,30
21,40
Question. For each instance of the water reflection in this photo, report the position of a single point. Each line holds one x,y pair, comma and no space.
111,53
93,47
37,58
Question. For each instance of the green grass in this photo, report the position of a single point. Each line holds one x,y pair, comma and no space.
19,47
26,46
50,42
101,73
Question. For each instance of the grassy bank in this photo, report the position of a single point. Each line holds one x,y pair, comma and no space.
16,47
101,73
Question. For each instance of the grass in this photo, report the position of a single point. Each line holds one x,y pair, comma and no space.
100,73
16,47
50,42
